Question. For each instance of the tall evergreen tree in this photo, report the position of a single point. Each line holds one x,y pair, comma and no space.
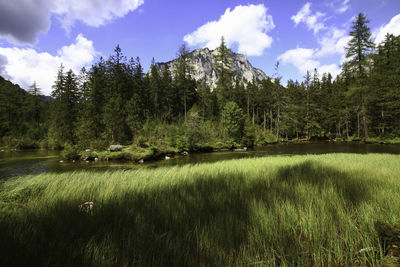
357,51
65,107
35,106
224,83
183,81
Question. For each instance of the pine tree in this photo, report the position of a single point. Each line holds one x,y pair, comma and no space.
183,81
224,83
357,51
65,107
35,106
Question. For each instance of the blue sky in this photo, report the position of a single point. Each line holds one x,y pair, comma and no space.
36,37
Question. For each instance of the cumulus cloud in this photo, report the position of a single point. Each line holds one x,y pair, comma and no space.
392,27
246,26
312,20
91,12
3,63
301,58
25,65
22,21
305,59
333,42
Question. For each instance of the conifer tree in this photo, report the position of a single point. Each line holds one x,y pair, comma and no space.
357,51
224,83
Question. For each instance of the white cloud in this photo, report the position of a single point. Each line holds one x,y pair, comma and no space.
313,21
246,26
301,58
344,6
304,59
333,42
93,13
333,69
25,65
21,21
339,6
392,27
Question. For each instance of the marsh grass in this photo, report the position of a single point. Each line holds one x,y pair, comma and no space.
276,211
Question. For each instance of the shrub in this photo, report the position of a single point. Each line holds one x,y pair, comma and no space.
141,141
233,120
70,153
249,135
266,137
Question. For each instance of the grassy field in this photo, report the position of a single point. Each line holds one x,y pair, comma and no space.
314,210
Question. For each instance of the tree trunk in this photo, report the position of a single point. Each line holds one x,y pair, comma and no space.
184,102
277,124
253,114
270,112
248,106
265,120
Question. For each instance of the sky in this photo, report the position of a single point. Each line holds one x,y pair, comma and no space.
37,36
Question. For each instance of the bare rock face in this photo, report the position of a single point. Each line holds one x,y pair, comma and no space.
204,63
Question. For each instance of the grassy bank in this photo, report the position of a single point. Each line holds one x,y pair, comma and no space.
304,210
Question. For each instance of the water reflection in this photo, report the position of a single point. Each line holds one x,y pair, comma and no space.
17,163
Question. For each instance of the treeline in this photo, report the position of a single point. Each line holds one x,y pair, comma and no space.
24,115
116,102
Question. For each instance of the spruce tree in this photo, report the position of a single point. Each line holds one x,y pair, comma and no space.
224,83
357,51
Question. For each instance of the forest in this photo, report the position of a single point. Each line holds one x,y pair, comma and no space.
115,102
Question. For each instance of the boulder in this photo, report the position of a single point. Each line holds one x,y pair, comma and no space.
86,207
167,157
141,161
113,148
185,153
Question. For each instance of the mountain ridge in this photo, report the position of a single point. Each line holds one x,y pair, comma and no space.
204,64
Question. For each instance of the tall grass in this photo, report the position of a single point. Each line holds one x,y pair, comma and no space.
299,210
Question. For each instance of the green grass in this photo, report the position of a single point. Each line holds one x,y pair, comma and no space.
314,210
378,140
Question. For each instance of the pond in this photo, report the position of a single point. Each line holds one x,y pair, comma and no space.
18,163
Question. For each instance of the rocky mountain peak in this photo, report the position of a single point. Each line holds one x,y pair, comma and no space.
204,64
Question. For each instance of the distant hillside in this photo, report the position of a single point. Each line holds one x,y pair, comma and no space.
4,83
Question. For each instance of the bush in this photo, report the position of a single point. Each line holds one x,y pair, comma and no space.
264,138
141,141
249,135
70,153
194,130
233,120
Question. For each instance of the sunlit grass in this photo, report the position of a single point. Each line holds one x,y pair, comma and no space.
304,210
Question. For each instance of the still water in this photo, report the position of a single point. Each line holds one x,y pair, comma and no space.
18,163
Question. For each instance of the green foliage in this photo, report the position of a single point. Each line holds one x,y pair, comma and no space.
65,107
70,152
233,120
141,141
224,83
249,134
265,137
193,130
115,102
